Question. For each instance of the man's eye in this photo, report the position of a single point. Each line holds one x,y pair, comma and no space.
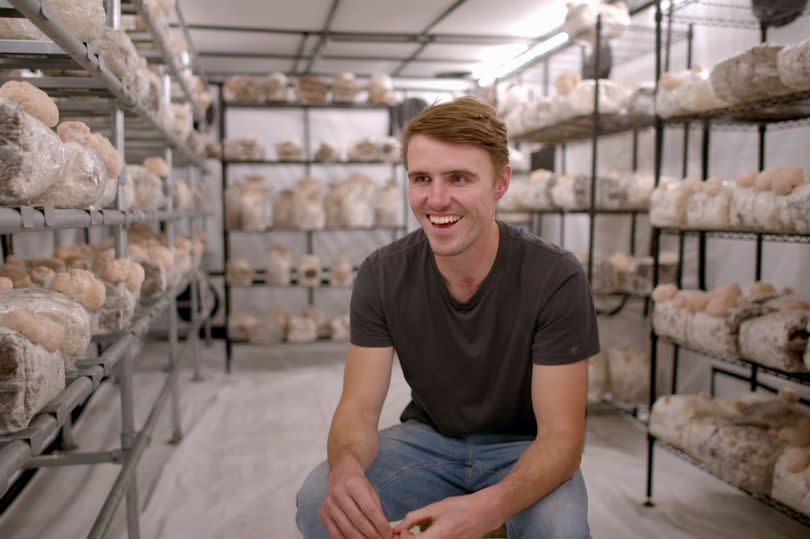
459,179
420,179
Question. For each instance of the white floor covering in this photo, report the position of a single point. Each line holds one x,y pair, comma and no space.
251,437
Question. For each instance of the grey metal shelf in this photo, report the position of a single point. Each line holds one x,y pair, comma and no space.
796,377
294,105
788,109
779,506
319,231
168,57
16,449
739,235
304,162
28,219
75,49
582,128
730,13
597,211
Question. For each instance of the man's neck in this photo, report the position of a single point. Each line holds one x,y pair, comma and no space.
464,273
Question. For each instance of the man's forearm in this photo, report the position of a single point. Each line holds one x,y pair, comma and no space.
547,463
352,436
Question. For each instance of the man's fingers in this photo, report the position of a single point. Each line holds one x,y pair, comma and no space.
360,520
344,524
369,503
331,527
420,516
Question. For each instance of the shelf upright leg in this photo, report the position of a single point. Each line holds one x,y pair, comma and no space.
634,215
702,235
226,244
594,150
194,290
125,384
177,435
310,249
128,438
761,131
655,247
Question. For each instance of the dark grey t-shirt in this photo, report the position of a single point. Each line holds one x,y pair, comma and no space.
469,364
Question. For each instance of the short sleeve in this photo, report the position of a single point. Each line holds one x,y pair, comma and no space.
567,330
368,327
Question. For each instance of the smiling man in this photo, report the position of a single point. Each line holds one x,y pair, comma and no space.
492,327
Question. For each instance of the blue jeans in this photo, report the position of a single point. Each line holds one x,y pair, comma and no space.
417,466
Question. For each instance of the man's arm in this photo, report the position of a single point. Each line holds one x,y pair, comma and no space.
559,395
354,436
351,507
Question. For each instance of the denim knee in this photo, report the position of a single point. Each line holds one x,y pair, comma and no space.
562,514
308,503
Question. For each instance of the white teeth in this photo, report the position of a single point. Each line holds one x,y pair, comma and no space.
444,219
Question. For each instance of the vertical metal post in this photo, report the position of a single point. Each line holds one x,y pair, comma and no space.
125,366
594,149
754,372
702,235
226,244
761,131
655,247
128,438
310,249
546,76
713,382
194,289
307,143
172,309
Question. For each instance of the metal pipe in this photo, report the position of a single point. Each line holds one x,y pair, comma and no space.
127,473
655,248
170,243
702,235
75,459
226,249
594,149
32,9
170,60
676,356
127,439
761,131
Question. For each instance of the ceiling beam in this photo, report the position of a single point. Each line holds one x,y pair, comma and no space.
324,33
343,57
424,38
374,37
299,54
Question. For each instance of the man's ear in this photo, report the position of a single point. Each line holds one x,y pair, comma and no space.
502,183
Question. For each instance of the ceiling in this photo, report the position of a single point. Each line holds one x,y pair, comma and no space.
415,39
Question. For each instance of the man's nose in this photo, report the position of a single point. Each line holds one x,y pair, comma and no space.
439,195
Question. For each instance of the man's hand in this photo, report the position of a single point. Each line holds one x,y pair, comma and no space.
460,517
352,509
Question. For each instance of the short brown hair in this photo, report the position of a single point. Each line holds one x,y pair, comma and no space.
466,120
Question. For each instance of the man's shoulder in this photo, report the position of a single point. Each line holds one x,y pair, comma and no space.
532,250
398,251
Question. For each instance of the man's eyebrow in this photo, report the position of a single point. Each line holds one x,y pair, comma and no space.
459,171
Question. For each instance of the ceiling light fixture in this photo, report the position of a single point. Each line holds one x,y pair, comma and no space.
489,72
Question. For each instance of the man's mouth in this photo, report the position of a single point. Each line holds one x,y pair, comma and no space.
443,221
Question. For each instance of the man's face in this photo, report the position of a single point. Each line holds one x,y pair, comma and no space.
452,191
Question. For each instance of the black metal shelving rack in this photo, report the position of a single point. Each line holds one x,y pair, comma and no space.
307,164
734,14
133,130
590,128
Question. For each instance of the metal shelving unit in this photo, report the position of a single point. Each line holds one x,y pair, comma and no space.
634,43
779,506
792,110
307,164
100,82
155,38
107,102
